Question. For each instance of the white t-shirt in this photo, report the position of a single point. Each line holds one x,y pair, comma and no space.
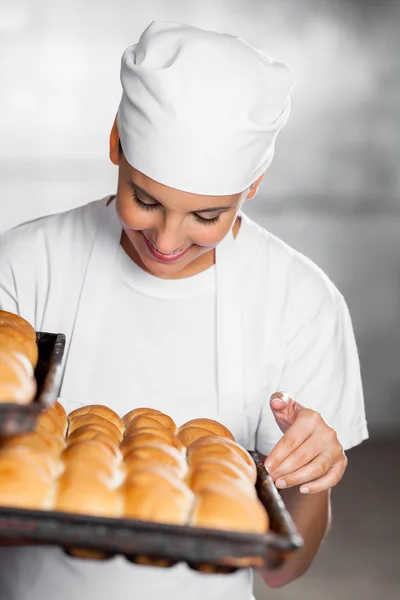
159,350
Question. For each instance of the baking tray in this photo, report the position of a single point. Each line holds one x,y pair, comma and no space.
17,418
163,545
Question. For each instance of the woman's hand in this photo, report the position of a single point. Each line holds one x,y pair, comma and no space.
309,454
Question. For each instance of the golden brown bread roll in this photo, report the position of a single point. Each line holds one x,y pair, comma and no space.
16,383
100,410
58,412
206,476
43,461
126,419
98,423
155,495
217,447
158,454
147,435
49,422
14,339
191,434
93,447
80,491
8,318
24,486
91,465
152,420
210,425
215,509
90,432
41,441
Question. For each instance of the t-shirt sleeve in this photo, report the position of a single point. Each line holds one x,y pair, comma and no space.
8,292
321,371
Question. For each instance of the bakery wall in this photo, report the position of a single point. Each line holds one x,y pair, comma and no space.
333,189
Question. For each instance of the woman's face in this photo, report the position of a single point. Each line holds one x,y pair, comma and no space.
168,229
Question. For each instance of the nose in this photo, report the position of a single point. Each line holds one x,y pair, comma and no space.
169,237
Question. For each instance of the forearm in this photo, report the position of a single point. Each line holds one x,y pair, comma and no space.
311,515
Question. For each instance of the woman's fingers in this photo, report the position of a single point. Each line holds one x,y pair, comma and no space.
306,423
302,456
317,468
326,482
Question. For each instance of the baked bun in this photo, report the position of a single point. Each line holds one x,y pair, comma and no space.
157,454
101,411
41,441
217,447
152,420
16,383
210,425
86,493
22,485
206,476
12,338
191,434
90,432
58,412
91,465
8,318
126,419
93,447
215,509
149,435
155,495
42,461
98,423
49,421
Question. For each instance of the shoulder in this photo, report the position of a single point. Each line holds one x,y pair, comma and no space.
297,282
53,231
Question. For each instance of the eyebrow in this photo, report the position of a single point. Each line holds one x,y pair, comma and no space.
137,188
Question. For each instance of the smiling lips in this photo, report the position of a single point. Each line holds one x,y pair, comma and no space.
160,256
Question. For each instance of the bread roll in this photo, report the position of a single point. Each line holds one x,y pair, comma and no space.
12,338
93,447
16,383
22,486
58,412
8,318
205,477
86,493
89,466
158,454
160,432
153,420
148,435
35,459
210,425
229,511
157,499
217,447
41,441
191,434
49,422
100,410
99,423
90,432
139,411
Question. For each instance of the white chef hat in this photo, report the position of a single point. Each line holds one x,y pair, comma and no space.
200,110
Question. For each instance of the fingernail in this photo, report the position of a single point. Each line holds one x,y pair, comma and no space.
268,466
305,490
281,483
280,400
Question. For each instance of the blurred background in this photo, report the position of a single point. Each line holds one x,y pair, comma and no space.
332,192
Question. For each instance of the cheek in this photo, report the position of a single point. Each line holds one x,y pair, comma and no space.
130,216
211,235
